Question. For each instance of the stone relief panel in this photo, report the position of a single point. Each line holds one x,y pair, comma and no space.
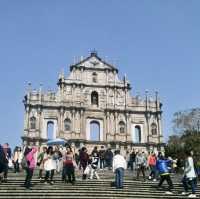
86,97
67,93
112,124
111,78
67,114
120,98
111,97
77,122
78,94
33,113
78,75
50,113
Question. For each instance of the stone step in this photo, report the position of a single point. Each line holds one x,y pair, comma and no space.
96,189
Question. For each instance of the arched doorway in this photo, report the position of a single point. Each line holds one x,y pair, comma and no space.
50,130
94,131
136,133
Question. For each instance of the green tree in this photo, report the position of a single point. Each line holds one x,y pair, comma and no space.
186,126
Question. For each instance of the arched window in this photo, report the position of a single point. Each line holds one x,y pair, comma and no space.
153,129
121,127
33,122
94,77
138,134
67,124
94,98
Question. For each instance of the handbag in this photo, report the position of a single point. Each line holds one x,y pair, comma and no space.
87,170
24,163
10,163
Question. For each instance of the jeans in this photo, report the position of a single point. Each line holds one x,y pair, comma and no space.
49,173
141,168
109,163
102,163
186,181
168,179
29,175
119,177
68,171
16,166
130,165
153,171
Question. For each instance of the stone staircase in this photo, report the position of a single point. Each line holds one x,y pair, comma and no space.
95,189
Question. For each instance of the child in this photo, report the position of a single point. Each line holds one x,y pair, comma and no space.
94,165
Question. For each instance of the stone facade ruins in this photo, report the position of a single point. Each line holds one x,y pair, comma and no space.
93,106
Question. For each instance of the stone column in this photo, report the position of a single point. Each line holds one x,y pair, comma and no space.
73,93
148,116
106,76
61,120
107,125
82,96
82,74
26,118
159,128
73,120
106,96
115,97
127,126
81,123
39,112
115,123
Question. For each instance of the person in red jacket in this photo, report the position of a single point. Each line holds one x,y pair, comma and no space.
152,165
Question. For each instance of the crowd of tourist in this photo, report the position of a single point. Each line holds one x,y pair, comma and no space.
66,161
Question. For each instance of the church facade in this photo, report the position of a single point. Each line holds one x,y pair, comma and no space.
93,106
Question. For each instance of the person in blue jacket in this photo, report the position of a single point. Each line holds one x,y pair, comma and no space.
163,165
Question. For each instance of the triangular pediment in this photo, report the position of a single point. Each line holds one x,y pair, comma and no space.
94,61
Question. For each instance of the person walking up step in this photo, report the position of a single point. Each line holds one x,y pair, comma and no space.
119,165
189,175
29,155
69,170
152,165
94,166
163,165
102,157
49,165
40,162
141,162
84,157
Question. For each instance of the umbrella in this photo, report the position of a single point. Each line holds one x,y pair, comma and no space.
57,141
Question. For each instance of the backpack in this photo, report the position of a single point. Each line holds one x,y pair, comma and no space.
24,163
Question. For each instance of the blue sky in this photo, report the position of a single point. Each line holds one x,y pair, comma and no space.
156,43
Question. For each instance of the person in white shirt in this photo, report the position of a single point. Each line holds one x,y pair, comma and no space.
49,165
119,165
189,175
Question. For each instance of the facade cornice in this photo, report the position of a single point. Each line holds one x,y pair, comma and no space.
128,87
